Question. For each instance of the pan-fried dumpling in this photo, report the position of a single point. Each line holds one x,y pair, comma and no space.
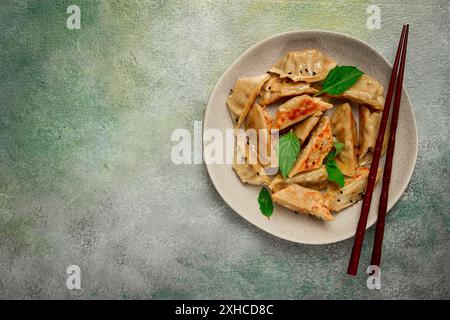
315,179
369,124
276,88
343,126
297,109
304,128
259,120
338,199
242,97
246,165
308,65
366,90
249,175
318,147
303,200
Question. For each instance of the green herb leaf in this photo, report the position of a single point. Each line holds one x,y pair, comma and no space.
339,146
340,79
334,173
288,150
265,202
331,156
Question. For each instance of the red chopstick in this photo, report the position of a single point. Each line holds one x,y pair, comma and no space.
362,223
382,207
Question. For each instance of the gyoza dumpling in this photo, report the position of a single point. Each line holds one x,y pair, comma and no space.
242,97
338,199
259,120
366,90
246,164
276,88
304,128
315,179
308,65
318,147
303,200
297,109
343,126
251,173
369,124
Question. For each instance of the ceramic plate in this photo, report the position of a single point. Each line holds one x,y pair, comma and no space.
284,223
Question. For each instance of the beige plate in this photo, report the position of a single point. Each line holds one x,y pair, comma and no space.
243,198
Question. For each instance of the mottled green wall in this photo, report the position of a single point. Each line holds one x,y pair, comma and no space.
85,174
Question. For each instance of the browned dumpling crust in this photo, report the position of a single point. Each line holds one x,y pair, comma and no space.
343,126
303,200
276,88
309,65
297,109
315,179
318,147
243,96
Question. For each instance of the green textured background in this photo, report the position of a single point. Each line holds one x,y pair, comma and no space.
85,173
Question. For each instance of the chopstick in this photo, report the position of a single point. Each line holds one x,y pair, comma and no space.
362,223
382,206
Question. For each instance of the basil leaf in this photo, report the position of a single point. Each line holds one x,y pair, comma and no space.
265,202
330,156
340,79
339,146
334,173
288,150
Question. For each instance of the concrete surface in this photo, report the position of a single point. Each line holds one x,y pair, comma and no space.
85,173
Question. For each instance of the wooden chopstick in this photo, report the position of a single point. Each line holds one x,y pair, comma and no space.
382,206
362,223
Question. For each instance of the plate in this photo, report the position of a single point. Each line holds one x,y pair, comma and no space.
285,224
